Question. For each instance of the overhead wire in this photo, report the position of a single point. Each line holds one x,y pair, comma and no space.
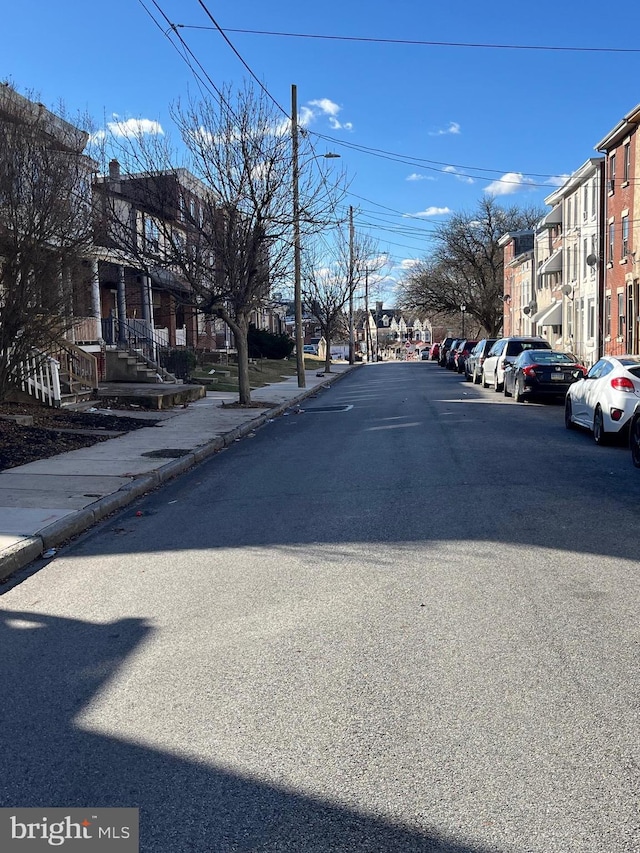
423,42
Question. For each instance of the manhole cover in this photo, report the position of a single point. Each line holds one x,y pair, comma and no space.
168,453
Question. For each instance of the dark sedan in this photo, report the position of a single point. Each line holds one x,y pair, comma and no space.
541,373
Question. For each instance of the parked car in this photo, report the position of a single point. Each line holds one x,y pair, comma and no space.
434,352
462,353
541,372
444,349
451,352
474,361
310,349
503,351
634,436
605,401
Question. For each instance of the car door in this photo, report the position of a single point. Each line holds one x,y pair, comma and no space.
583,391
489,365
595,391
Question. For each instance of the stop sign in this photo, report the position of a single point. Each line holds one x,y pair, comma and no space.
408,345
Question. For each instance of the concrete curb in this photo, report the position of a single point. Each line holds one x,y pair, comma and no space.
21,554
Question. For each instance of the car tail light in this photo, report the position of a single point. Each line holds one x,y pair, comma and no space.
530,369
621,383
616,414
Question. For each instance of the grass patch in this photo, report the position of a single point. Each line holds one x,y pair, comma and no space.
264,372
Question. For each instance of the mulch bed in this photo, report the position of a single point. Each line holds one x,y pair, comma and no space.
22,444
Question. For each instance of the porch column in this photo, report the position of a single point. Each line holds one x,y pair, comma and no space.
147,301
95,307
121,298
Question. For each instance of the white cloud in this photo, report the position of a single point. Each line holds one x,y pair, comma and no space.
465,179
430,211
508,184
557,180
336,125
133,127
453,129
416,176
409,263
326,106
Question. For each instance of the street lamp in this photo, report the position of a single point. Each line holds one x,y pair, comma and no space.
297,277
463,308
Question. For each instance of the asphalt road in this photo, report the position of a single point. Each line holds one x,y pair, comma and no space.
404,619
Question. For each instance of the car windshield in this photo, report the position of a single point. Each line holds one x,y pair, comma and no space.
545,356
516,347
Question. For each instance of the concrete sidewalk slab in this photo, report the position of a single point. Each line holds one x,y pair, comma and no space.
45,503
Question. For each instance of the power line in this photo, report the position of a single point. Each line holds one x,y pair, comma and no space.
421,42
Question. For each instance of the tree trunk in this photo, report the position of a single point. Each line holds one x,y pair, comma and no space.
240,329
242,345
326,332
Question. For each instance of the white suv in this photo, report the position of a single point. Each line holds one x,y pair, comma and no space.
503,351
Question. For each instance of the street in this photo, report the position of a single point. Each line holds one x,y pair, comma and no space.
402,619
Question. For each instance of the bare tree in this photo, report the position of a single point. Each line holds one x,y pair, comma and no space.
465,266
235,244
45,230
330,281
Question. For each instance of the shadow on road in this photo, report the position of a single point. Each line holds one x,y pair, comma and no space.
51,670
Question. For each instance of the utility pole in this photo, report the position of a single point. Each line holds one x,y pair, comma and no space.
367,331
297,283
352,354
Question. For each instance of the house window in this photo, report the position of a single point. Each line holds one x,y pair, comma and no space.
585,252
585,202
607,316
569,212
620,315
626,165
612,172
611,240
591,318
593,252
625,236
151,235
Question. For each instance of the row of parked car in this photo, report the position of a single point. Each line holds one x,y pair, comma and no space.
604,399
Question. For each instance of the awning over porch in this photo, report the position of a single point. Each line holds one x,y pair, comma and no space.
552,264
551,315
166,280
554,217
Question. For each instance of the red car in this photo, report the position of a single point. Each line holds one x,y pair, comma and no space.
434,352
461,355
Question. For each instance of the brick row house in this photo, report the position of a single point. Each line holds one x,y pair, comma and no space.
577,285
129,296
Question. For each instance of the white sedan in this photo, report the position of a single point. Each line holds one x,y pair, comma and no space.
605,399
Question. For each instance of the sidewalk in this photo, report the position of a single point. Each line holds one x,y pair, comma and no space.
45,503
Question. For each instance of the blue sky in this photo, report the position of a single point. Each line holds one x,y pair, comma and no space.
447,122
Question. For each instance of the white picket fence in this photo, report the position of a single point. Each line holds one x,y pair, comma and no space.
39,376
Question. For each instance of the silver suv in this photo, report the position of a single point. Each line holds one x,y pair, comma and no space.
506,350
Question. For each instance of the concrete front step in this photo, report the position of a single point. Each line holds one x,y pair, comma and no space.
159,396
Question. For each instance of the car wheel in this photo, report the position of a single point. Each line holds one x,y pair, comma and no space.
518,392
485,384
475,378
599,435
634,441
568,414
504,386
497,387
